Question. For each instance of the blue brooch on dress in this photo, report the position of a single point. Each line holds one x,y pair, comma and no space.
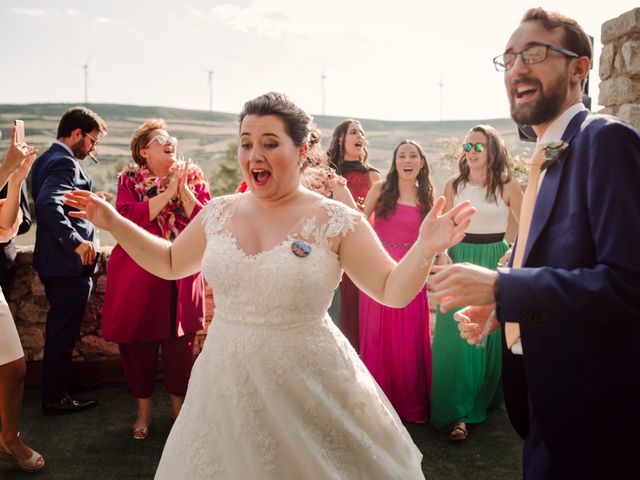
300,249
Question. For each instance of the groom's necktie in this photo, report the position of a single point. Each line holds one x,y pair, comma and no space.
512,330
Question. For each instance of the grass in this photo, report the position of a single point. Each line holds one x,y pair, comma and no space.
96,444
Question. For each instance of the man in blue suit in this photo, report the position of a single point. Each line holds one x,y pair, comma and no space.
65,251
572,381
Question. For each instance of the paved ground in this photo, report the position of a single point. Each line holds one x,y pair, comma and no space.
96,444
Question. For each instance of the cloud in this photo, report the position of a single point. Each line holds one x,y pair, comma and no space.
194,12
103,20
31,12
260,18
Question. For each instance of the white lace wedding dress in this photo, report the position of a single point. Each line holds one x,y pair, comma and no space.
278,392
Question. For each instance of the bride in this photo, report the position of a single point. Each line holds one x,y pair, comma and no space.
278,392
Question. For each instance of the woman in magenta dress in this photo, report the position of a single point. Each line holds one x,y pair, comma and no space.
142,312
394,342
349,156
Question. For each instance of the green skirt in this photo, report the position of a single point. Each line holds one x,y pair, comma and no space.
467,379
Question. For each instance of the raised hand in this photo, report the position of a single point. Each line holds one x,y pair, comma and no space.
17,154
20,174
476,322
440,231
93,208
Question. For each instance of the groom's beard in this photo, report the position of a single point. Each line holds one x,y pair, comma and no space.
546,107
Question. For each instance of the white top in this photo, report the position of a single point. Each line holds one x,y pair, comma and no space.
490,216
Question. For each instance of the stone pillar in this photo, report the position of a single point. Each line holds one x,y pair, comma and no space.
620,67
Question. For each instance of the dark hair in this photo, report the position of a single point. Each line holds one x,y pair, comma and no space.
141,138
298,124
335,153
390,192
498,172
575,39
82,118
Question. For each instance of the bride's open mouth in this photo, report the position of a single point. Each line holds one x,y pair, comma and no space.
260,176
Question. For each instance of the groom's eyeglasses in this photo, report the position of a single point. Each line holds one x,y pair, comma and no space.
478,147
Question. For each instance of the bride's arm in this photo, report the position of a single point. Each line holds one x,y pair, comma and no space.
374,272
158,256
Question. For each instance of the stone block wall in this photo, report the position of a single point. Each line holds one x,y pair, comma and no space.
620,67
29,306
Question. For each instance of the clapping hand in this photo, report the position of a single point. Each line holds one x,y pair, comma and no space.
440,231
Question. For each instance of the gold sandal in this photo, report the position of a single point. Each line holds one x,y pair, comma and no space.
35,463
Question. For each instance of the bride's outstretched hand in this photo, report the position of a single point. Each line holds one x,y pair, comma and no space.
92,207
440,231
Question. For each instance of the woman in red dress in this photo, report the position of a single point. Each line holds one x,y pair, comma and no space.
349,156
144,313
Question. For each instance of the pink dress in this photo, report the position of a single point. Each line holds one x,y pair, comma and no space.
394,342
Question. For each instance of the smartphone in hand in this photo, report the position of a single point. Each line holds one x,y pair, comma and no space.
19,131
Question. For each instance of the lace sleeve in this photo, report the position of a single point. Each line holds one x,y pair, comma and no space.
216,214
340,220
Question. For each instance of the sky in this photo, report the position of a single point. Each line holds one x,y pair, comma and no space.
381,59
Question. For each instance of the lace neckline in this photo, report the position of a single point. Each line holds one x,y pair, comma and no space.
292,232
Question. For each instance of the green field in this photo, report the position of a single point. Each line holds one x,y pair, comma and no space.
205,136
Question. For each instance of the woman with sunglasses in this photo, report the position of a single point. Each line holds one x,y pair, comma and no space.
142,312
349,156
466,379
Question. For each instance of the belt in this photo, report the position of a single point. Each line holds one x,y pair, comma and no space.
483,237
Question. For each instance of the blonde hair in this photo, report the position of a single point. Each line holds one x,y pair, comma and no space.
141,138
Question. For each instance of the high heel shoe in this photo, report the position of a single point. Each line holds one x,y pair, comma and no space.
35,463
140,433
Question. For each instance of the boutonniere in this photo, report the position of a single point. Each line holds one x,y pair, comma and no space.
553,153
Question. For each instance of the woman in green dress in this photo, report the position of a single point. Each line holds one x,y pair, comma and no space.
467,379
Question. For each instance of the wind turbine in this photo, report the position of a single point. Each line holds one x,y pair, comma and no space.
210,77
86,78
441,85
323,90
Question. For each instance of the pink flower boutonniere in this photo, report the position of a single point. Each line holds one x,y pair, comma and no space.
553,153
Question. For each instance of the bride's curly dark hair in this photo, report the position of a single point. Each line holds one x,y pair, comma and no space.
389,194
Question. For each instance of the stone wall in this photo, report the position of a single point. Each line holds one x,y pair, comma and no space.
620,67
29,306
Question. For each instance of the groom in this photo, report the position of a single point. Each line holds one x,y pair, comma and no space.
572,372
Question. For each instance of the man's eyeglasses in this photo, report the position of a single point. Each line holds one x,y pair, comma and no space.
478,147
531,55
94,140
163,140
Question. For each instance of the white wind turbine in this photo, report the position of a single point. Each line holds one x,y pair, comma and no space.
323,91
86,78
210,72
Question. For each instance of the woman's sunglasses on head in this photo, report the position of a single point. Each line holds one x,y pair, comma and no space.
478,147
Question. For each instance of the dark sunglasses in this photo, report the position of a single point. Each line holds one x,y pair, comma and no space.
478,147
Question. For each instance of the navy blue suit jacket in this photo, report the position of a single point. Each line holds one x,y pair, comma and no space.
577,300
55,172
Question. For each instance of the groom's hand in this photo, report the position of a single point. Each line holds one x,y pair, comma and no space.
462,284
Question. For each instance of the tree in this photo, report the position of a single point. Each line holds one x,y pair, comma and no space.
227,174
450,154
